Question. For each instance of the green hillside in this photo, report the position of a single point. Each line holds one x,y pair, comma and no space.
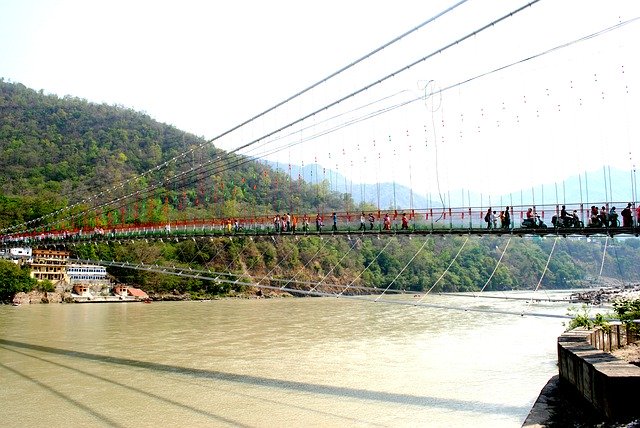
58,151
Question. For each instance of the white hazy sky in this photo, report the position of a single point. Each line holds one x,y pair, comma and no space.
206,66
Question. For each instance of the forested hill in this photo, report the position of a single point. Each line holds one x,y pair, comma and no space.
55,151
70,146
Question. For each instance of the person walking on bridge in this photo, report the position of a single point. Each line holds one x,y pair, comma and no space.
506,219
487,218
334,216
627,217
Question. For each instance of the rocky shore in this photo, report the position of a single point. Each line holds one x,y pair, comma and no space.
38,297
608,294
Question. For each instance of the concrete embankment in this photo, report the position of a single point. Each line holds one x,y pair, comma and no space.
593,386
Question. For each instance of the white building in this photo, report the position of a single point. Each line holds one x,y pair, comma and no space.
21,252
87,274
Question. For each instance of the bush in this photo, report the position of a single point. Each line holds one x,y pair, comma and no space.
46,285
582,319
627,310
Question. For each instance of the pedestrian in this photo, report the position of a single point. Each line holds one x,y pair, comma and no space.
362,222
387,222
334,216
405,222
372,220
487,218
506,221
627,217
305,223
318,223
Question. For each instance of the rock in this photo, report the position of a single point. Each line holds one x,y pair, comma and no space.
34,297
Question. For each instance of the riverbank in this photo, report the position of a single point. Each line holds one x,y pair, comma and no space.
46,297
562,401
608,294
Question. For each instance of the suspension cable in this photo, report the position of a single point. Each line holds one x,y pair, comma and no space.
354,93
324,244
402,270
355,241
555,241
259,115
365,269
495,268
604,253
345,296
446,270
293,247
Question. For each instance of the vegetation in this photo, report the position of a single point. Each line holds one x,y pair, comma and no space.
582,318
14,279
57,151
627,310
371,262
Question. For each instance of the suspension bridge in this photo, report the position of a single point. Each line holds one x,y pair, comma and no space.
284,174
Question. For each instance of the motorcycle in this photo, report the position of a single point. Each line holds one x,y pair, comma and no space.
569,221
533,223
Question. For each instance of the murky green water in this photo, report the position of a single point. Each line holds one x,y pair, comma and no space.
273,363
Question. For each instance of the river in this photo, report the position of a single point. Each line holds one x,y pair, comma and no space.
321,362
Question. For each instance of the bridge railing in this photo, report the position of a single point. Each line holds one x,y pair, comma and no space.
429,219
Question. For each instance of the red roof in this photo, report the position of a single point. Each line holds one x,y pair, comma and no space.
137,293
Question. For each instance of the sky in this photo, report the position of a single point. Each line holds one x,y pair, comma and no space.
205,67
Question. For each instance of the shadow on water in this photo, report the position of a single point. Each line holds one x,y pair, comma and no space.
92,412
355,393
152,395
76,403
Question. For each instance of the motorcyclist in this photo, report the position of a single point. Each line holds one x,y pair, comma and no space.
613,217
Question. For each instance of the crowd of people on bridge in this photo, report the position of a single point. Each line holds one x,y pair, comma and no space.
386,221
504,218
597,218
603,218
289,222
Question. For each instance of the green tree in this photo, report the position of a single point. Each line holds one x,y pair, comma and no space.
14,279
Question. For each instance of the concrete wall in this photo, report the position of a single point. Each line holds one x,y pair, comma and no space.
611,385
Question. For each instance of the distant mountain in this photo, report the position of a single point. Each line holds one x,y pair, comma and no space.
386,195
588,187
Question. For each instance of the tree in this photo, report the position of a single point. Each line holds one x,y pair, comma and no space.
14,279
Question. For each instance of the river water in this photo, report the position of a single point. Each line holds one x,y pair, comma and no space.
322,362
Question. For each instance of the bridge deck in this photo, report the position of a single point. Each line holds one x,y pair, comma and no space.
211,232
